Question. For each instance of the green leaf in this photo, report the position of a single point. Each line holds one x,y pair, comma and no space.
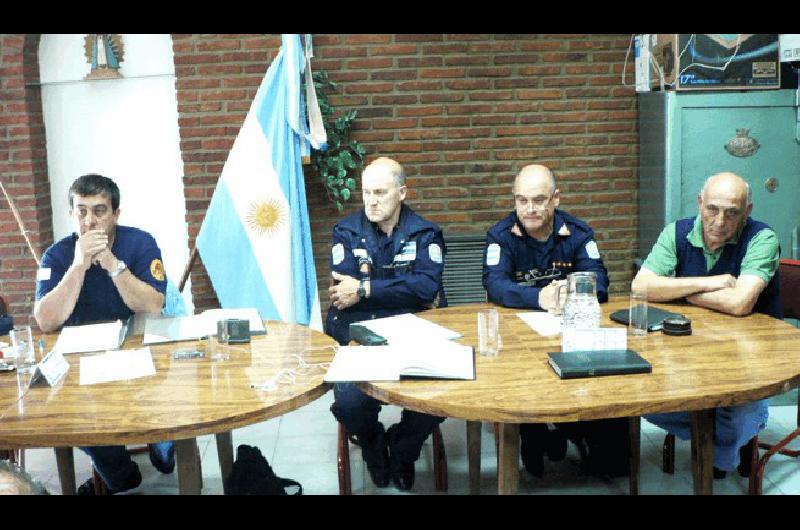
345,194
334,192
342,174
350,183
339,206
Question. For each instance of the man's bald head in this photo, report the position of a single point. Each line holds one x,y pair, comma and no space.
385,165
725,203
534,173
730,185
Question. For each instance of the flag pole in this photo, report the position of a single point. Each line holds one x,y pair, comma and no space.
188,269
20,223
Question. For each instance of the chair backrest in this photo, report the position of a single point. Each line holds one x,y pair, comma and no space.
789,273
463,269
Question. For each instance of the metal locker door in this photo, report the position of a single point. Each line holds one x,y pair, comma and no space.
772,170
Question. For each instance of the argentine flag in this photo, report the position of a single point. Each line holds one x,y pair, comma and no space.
255,240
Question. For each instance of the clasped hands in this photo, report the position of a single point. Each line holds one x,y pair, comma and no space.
92,248
343,291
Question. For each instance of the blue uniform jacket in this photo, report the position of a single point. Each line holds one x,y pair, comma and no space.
508,260
99,299
405,272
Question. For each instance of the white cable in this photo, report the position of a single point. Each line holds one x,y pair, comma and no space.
723,67
625,64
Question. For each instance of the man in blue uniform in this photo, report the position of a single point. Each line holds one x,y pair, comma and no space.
385,260
726,261
102,272
528,254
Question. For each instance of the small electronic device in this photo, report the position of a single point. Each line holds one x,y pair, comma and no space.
187,354
233,331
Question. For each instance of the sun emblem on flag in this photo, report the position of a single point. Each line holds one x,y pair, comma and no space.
266,216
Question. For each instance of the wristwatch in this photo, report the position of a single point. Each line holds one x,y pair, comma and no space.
120,267
361,291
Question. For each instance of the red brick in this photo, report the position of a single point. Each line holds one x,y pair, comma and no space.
368,39
442,72
395,49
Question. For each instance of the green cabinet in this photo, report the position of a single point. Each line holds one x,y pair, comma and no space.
683,139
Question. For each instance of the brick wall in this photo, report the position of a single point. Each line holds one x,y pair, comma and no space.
462,113
23,169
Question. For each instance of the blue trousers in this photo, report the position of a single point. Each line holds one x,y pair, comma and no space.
358,413
733,428
115,466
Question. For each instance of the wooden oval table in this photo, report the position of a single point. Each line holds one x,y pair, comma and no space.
726,361
184,399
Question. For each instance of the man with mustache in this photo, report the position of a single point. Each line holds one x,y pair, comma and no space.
101,272
528,254
724,260
385,260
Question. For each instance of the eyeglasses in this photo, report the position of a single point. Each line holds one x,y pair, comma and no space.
538,202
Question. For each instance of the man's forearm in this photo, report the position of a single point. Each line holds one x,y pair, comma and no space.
139,296
663,289
57,305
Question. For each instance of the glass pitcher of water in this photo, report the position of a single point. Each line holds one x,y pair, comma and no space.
581,310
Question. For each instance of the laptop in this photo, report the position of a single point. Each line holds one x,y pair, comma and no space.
655,317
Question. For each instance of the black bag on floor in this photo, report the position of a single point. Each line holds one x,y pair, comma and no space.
252,475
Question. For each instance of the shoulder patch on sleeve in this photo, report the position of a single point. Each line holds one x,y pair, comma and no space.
493,254
435,252
43,274
157,270
337,253
591,250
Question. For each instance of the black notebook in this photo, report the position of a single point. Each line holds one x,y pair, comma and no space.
574,364
655,317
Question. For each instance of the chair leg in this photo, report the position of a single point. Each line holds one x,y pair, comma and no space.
497,443
668,455
439,461
634,432
757,473
343,461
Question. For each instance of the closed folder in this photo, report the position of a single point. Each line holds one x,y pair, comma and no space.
575,364
655,317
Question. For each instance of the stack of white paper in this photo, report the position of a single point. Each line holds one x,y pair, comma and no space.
402,329
158,330
440,360
120,365
90,337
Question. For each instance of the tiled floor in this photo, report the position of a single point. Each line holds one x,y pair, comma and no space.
302,445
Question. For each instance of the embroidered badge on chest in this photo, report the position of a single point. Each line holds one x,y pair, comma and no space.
408,253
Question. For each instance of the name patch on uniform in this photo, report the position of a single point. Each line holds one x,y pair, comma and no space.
360,252
592,250
435,252
157,269
493,254
42,275
408,253
337,253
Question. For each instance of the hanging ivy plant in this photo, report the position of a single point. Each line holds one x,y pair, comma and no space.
342,162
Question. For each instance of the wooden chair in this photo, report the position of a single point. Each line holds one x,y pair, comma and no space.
789,271
343,460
